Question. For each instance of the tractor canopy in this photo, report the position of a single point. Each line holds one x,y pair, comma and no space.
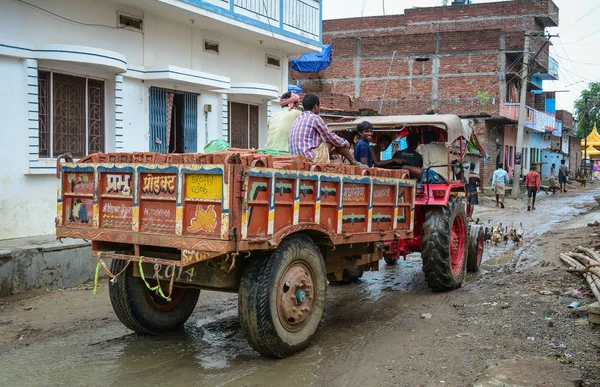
451,124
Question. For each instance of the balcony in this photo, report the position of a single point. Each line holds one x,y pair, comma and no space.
298,20
534,119
547,13
552,73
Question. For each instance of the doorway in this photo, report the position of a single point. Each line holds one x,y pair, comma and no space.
243,125
173,121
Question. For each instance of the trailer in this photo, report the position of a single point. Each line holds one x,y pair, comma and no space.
272,229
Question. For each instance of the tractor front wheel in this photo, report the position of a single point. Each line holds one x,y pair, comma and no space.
475,248
445,246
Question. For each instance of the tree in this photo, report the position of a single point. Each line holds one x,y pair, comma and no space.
589,100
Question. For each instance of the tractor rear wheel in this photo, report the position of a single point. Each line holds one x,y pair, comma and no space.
282,297
146,312
445,246
475,245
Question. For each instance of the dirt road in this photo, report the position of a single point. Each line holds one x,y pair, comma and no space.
373,333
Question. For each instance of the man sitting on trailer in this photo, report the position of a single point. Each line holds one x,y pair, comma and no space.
278,126
311,138
409,158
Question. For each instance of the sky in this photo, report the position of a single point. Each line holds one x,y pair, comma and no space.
577,49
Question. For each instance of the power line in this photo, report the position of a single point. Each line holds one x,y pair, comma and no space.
72,20
575,61
581,18
271,28
568,57
587,36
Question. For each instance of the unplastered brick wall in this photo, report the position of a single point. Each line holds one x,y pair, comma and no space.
490,135
442,57
575,155
566,118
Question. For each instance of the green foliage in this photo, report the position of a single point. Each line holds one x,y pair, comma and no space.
484,98
588,100
445,2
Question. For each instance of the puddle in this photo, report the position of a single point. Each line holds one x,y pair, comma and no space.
211,351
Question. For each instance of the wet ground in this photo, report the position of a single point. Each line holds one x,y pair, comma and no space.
372,333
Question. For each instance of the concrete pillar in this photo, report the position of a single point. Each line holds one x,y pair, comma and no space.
435,71
357,59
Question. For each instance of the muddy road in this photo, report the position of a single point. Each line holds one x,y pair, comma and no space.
372,333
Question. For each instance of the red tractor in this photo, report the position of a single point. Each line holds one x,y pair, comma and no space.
449,244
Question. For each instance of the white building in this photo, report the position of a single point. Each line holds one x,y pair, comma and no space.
97,75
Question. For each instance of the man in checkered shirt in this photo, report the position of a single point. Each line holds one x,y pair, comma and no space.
311,138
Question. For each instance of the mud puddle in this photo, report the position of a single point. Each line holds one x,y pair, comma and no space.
211,350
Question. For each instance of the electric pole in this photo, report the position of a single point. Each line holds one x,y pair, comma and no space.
516,190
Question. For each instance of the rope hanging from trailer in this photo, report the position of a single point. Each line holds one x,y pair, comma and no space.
157,288
113,277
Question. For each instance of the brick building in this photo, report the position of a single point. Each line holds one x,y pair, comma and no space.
463,59
571,144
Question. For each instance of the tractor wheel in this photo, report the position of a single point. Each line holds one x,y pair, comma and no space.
475,245
390,261
445,246
143,311
282,297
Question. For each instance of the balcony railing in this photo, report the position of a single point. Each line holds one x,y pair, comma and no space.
297,19
534,119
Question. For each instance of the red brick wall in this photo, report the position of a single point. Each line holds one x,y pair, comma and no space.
566,118
575,155
464,40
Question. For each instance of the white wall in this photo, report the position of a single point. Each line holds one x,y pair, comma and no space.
240,61
22,23
565,144
212,121
135,117
163,42
27,202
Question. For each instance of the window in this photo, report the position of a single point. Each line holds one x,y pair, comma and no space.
273,61
131,22
71,114
212,47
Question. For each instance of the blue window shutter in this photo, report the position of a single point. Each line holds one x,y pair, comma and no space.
190,123
158,120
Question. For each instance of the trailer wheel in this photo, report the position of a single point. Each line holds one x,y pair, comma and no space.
475,245
349,276
143,311
282,296
445,246
390,261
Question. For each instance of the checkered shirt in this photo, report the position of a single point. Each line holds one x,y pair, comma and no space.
307,133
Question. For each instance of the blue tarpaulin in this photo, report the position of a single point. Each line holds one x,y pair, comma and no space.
313,62
295,89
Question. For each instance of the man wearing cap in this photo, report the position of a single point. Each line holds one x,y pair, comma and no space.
278,126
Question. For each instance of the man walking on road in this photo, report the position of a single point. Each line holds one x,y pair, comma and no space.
532,184
563,171
311,138
552,179
499,181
